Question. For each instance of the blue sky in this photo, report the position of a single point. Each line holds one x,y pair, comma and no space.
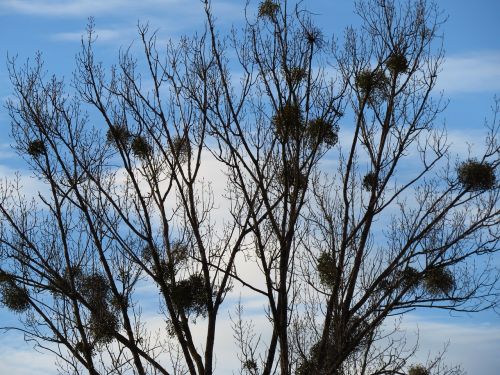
469,80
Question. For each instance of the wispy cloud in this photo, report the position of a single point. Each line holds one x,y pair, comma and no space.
19,358
103,35
471,73
78,7
462,334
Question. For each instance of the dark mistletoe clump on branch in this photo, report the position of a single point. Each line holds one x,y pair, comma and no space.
409,278
5,277
268,9
439,281
327,270
250,365
141,148
103,322
13,296
62,284
36,148
95,288
351,335
372,84
82,348
320,131
292,177
397,63
288,122
370,181
191,295
418,370
296,75
118,135
181,149
476,176
103,306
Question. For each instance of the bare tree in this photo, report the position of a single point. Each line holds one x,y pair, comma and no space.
338,247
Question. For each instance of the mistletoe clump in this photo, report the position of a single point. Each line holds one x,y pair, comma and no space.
439,281
309,364
268,9
179,252
103,324
409,278
36,148
119,302
14,297
357,326
418,370
191,295
370,181
95,288
62,284
321,131
147,253
476,176
250,365
327,270
293,177
6,277
141,148
164,271
397,63
313,35
288,122
373,84
181,149
352,336
82,348
296,74
118,135
167,269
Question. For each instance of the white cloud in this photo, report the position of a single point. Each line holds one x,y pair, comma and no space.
6,153
19,358
29,185
471,73
225,351
77,7
474,346
103,35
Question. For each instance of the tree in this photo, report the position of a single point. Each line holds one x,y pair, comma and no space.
338,249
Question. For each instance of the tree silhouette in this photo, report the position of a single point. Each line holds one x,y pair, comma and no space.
339,232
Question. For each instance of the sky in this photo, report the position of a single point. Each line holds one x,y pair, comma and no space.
470,78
